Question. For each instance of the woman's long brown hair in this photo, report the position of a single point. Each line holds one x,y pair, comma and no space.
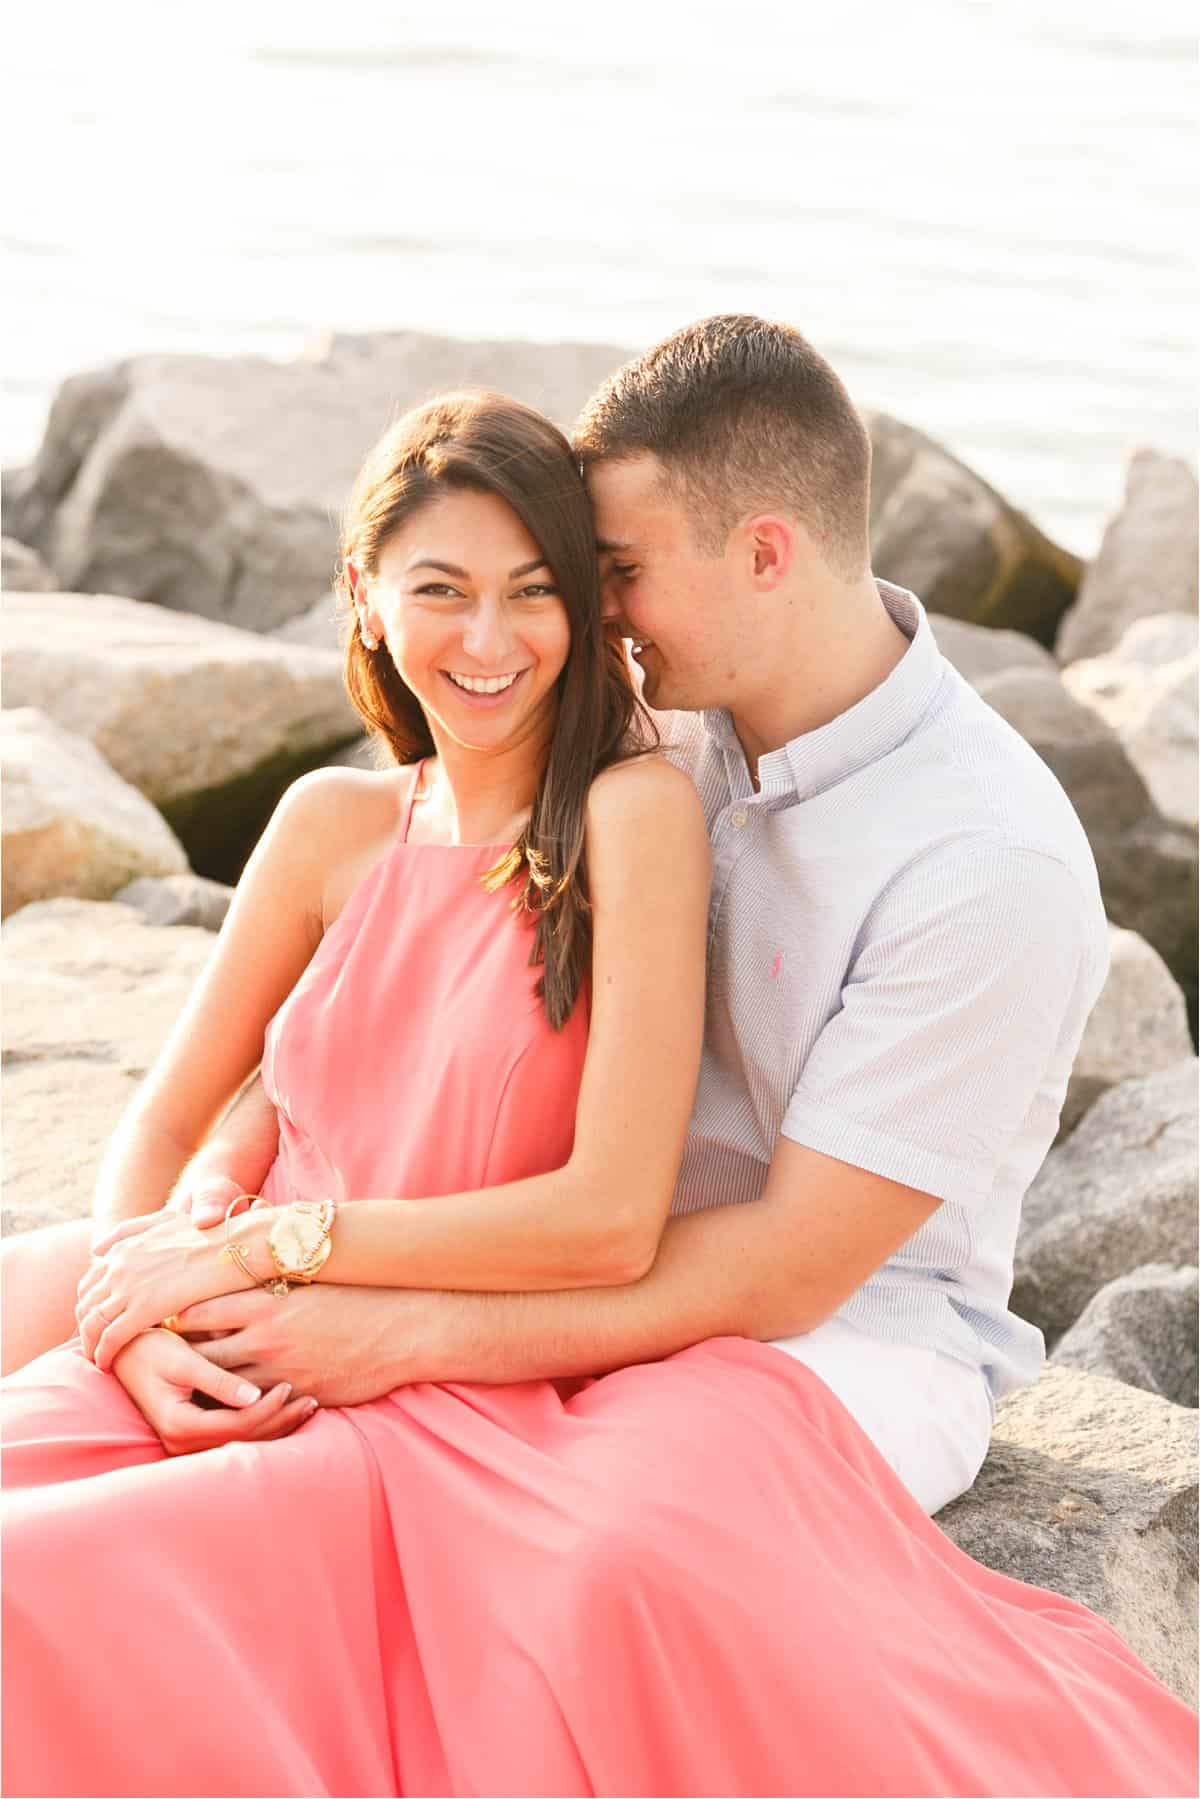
489,443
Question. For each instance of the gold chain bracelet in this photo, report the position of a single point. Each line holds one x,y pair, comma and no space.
233,1252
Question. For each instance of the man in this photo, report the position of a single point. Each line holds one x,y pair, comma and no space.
906,938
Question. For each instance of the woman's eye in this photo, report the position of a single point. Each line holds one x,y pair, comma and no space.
625,571
537,590
438,588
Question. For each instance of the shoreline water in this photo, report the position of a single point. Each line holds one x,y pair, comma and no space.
980,219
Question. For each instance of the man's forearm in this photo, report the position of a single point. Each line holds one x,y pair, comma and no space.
143,1165
244,1144
718,1273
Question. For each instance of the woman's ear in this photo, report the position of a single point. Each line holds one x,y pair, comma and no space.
356,585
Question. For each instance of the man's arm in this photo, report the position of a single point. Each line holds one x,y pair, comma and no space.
911,1096
769,1268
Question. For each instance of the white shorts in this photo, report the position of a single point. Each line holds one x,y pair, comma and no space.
929,1416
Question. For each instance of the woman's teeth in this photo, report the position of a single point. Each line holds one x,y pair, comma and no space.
492,684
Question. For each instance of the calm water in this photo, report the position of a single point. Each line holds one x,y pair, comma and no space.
979,212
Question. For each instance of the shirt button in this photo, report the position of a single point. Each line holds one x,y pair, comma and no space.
738,819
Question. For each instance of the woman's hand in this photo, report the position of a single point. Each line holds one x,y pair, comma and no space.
159,1371
148,1270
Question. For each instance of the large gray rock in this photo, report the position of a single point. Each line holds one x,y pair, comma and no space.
1147,865
209,722
211,484
322,627
1138,1024
1090,1490
72,826
1146,689
1120,1192
1146,562
23,569
178,899
938,529
978,652
1140,1329
90,994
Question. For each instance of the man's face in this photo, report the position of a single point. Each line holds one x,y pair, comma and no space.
674,602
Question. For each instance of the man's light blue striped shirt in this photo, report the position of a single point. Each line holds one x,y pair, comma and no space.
906,936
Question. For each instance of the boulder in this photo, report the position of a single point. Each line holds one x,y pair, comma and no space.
212,484
1146,689
1120,1192
938,529
91,992
1147,865
320,628
1146,562
72,826
1140,1329
978,652
364,752
178,899
22,569
1138,1024
209,722
1089,1490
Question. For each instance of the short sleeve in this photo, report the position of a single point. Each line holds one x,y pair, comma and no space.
967,995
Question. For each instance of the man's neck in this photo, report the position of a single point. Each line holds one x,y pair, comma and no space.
843,646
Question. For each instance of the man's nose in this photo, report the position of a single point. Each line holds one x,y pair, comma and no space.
610,606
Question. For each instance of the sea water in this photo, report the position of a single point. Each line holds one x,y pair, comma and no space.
983,214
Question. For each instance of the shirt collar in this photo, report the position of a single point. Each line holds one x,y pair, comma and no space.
869,730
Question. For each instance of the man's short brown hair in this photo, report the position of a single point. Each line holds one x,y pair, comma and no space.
745,416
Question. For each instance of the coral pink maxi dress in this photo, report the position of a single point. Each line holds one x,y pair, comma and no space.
695,1576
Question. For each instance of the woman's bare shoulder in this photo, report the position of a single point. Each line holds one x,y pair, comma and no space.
639,790
646,831
345,802
338,821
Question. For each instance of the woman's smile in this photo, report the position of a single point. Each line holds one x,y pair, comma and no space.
487,693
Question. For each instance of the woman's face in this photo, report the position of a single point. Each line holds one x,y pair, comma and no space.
471,616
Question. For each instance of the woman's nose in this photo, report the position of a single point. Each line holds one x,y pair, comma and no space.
487,636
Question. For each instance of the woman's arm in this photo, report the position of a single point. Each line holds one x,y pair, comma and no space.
271,931
594,1222
598,1219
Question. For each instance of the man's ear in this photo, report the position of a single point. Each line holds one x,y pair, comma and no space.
771,542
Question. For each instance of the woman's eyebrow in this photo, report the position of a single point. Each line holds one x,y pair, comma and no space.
452,568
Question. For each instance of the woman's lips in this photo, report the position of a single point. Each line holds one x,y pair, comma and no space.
483,702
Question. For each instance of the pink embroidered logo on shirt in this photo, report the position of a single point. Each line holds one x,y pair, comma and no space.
777,964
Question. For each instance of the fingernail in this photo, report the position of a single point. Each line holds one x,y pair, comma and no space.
310,1408
246,1394
285,1387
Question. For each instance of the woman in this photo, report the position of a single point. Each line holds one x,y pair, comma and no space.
688,1576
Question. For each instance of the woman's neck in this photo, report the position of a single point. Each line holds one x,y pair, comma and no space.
469,797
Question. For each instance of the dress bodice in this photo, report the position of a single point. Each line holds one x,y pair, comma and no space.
412,1058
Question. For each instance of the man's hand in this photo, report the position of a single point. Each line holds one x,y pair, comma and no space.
159,1372
343,1345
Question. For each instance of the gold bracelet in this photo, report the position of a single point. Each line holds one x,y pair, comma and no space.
233,1252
